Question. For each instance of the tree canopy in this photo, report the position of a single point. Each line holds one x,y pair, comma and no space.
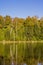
30,28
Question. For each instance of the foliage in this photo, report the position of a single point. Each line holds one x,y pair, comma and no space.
21,29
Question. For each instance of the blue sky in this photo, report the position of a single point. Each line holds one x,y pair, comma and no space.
21,8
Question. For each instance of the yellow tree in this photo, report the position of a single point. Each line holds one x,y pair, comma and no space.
1,21
28,24
8,20
41,25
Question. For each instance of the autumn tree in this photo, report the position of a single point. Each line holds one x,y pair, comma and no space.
1,21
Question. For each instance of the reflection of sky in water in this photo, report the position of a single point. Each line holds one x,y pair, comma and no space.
39,63
12,63
24,64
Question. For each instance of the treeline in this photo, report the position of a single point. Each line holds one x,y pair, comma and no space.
16,28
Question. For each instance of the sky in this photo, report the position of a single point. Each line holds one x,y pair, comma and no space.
21,8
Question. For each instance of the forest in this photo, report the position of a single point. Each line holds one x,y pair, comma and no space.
21,29
24,29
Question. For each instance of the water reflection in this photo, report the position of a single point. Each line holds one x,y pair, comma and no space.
24,64
12,63
39,64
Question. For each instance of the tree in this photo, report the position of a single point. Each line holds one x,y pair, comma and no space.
7,20
28,26
41,25
1,22
37,31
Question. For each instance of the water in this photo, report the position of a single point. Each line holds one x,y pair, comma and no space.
24,64
12,63
39,64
